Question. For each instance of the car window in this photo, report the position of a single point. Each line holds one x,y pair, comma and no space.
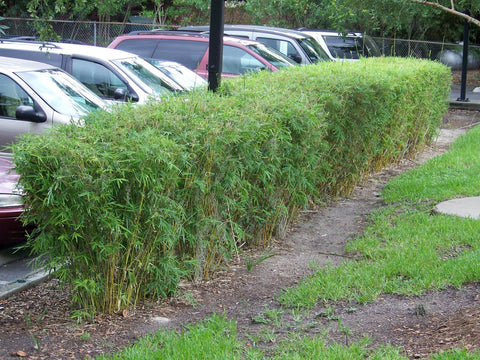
187,78
274,57
238,61
186,52
141,47
11,97
34,55
61,91
285,47
345,48
147,76
351,47
98,78
313,50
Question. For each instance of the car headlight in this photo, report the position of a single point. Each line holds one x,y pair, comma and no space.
8,200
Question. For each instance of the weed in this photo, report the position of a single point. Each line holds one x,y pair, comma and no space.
251,262
29,326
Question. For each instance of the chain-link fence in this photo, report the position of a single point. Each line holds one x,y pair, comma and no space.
87,32
101,34
448,53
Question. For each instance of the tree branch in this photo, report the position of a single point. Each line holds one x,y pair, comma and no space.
449,10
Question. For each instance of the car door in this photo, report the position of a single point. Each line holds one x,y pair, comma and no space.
12,95
98,78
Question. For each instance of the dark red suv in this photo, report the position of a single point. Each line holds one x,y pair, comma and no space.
240,56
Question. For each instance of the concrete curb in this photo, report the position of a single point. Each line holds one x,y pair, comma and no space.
33,278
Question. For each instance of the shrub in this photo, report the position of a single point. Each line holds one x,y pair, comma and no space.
135,199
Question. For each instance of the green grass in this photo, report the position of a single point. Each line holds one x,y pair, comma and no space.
217,338
453,174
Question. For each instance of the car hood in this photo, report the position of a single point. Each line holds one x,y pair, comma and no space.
8,177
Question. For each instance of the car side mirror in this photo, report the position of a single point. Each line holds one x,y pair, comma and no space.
296,58
28,113
124,95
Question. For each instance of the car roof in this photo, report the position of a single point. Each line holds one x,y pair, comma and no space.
87,51
331,32
8,64
260,28
178,35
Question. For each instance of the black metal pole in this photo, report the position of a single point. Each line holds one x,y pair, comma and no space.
463,85
215,54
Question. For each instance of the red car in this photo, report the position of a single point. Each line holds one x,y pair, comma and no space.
240,56
11,204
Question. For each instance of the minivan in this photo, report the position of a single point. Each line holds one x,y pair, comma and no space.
298,46
111,74
35,96
240,56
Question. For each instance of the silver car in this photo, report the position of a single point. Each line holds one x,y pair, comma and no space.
34,96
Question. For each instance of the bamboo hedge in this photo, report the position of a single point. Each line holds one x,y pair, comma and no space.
135,199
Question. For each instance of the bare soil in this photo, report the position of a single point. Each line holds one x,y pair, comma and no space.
35,323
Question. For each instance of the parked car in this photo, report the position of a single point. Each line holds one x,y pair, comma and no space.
185,77
111,74
11,204
240,56
34,96
349,46
298,46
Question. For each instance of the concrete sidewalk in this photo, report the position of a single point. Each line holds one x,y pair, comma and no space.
468,207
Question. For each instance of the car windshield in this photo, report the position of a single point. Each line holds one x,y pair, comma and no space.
179,73
273,56
62,92
313,50
148,76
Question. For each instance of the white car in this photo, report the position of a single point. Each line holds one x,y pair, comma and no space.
34,96
344,47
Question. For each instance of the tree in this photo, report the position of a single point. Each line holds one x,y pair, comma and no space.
452,9
2,27
433,17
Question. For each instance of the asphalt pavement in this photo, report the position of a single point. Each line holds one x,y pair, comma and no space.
17,273
469,100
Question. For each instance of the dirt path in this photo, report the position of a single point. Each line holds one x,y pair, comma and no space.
38,317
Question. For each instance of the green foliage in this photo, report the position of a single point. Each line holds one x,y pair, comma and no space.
374,17
132,201
288,13
188,12
2,27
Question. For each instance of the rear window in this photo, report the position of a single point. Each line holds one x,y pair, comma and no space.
142,47
186,52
